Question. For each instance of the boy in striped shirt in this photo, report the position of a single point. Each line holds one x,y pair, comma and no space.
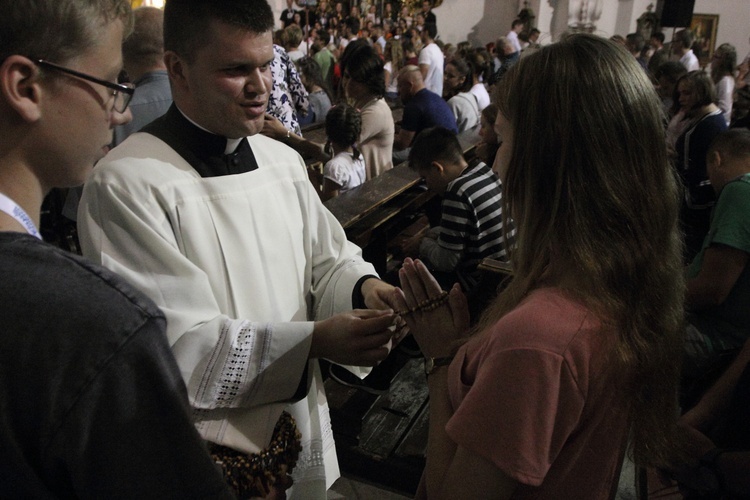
471,225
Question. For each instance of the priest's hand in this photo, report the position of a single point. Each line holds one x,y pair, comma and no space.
360,337
378,294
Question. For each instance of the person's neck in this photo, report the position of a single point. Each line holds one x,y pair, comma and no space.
460,168
136,72
364,100
703,110
452,171
741,169
20,185
448,94
185,115
339,148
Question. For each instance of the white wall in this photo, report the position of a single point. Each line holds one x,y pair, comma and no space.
621,17
479,21
734,22
457,23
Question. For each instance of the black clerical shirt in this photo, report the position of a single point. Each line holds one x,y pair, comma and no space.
203,150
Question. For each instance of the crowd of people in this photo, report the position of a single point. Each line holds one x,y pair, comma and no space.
179,355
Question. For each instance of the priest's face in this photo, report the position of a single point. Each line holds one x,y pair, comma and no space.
224,88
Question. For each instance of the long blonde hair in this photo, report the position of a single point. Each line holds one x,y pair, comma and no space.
595,204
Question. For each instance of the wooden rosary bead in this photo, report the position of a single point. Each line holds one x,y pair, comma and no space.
427,305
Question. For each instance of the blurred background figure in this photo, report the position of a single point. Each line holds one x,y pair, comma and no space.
143,61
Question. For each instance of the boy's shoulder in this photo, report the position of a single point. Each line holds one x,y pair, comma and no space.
476,176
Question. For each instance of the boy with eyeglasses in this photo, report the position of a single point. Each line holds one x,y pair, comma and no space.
92,403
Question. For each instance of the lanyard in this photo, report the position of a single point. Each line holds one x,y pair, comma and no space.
11,208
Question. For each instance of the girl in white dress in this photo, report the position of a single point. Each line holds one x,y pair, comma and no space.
346,168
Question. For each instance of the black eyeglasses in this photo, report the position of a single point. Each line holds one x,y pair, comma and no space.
122,92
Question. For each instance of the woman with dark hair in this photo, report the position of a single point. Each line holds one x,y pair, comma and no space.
410,53
338,12
580,352
722,73
364,85
489,142
697,97
667,75
363,82
458,79
317,93
481,68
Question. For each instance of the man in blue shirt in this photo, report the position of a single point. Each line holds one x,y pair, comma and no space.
143,58
422,109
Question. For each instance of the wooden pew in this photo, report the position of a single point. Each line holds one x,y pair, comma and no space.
496,266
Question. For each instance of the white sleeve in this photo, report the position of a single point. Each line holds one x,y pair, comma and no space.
424,57
725,94
455,107
336,172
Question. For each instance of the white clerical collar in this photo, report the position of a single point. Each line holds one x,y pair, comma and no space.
231,143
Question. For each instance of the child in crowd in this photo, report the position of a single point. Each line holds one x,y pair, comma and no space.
472,225
317,93
346,168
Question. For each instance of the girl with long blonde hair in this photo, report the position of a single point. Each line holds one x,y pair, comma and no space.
581,350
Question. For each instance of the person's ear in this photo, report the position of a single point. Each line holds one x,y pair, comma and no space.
176,68
438,167
21,88
714,159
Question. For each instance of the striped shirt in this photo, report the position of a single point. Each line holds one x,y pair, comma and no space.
471,226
